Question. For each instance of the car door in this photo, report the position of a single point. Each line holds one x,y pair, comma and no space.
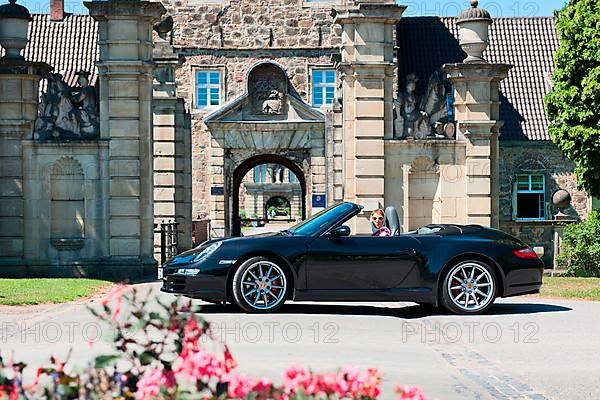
361,262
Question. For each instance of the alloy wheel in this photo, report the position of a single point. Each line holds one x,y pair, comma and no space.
470,286
263,285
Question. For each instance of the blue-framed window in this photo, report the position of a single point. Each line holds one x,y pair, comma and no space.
208,88
530,197
260,174
323,87
292,178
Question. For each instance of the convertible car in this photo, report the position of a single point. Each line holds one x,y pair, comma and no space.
463,268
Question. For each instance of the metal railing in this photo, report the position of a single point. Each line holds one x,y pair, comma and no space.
168,240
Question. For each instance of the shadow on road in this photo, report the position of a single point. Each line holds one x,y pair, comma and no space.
525,308
408,312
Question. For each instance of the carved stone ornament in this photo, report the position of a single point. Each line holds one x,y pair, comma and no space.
68,113
424,165
268,99
423,117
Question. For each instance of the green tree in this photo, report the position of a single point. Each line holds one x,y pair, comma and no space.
573,106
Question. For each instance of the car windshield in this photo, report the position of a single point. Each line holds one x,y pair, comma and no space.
317,222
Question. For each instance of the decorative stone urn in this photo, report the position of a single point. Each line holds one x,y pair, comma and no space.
561,200
473,30
14,21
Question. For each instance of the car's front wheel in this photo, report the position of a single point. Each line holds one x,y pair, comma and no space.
469,287
260,285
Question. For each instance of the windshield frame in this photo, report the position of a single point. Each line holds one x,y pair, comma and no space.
330,219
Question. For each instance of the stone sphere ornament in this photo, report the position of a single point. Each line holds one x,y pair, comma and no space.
14,23
561,199
473,31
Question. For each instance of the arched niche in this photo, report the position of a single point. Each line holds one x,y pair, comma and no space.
267,86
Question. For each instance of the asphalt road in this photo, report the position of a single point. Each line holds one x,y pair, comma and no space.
525,348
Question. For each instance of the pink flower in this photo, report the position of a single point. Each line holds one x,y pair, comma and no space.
200,365
356,384
191,337
115,293
410,393
262,386
295,377
150,385
371,386
332,384
239,386
228,361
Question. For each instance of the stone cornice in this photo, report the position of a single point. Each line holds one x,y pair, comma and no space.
370,11
476,71
20,67
99,10
479,128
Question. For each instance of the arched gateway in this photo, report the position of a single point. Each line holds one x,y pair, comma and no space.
269,123
244,168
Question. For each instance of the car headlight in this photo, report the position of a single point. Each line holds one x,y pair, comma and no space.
188,271
207,251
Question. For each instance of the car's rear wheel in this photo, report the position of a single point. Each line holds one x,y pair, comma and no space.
469,287
260,285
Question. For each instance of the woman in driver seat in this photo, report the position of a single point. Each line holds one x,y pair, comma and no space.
377,222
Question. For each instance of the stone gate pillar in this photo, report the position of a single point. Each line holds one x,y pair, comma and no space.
477,111
172,149
367,74
19,91
125,70
19,82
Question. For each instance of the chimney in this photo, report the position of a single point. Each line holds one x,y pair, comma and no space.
57,10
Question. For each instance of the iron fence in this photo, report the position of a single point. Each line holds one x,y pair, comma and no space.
168,240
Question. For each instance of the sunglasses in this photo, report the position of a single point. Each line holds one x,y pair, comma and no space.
377,218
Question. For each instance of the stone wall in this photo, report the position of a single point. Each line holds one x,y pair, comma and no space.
252,24
537,158
233,36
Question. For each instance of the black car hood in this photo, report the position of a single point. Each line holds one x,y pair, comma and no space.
186,256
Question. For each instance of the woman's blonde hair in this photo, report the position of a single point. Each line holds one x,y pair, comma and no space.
378,211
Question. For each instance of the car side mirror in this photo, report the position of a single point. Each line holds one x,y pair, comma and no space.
339,231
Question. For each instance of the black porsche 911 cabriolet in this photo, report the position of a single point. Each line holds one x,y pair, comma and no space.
460,267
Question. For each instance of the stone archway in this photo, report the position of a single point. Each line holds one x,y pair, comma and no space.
276,202
269,123
243,168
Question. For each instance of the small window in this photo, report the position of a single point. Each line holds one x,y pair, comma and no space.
208,88
292,177
260,173
531,197
323,87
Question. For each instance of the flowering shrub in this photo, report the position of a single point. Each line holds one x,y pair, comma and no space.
172,356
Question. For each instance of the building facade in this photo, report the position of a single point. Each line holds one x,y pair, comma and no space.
354,101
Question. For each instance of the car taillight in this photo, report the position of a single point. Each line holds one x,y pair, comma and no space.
525,253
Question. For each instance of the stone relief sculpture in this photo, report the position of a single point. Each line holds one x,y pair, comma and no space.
68,113
273,105
425,117
268,98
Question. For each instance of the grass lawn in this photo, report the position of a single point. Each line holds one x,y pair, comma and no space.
574,288
21,292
